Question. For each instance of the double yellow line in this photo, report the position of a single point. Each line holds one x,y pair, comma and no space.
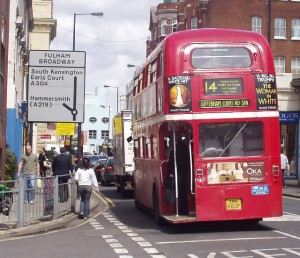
107,202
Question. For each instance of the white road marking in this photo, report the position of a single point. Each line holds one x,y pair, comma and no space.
121,250
151,250
144,244
116,245
192,256
111,240
286,234
132,234
285,217
134,237
127,231
218,240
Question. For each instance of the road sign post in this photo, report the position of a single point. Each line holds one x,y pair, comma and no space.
56,86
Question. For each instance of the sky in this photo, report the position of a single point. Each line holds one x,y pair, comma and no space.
111,42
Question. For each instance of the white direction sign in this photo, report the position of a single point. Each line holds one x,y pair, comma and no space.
56,86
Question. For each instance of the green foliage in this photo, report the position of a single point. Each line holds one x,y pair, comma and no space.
11,166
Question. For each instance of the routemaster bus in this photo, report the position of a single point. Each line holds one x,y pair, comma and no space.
206,128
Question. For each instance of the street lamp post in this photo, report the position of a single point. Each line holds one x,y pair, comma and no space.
131,65
98,14
116,87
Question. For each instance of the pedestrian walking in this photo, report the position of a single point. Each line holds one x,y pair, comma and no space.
284,166
62,168
86,178
31,168
42,161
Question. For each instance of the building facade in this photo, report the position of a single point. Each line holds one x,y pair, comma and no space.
4,40
19,19
31,27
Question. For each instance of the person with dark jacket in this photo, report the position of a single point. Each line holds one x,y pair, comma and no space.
42,160
62,167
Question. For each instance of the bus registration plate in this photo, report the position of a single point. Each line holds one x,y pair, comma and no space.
233,204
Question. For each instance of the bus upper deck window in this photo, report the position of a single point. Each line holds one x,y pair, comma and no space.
221,57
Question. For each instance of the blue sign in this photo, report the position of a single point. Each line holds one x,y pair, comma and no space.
289,117
260,190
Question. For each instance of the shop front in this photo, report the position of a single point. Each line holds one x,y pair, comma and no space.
289,130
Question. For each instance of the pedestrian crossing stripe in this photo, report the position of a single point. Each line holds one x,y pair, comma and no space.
285,217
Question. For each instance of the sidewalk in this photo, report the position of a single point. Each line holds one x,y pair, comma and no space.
292,191
44,226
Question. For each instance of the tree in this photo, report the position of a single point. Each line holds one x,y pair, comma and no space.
11,165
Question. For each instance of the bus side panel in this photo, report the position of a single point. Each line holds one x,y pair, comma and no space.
211,203
146,174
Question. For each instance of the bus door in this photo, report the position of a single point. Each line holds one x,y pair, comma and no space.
179,175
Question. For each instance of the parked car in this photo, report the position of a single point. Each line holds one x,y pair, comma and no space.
94,159
100,164
108,172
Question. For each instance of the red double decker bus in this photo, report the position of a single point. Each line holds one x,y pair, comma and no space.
206,128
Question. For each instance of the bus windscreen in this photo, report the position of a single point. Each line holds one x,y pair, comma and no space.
231,139
225,57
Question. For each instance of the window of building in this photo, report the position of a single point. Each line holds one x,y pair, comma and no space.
92,134
163,27
104,134
174,25
256,24
93,120
280,28
279,64
194,22
295,65
295,28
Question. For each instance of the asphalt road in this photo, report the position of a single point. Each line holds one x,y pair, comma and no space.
122,231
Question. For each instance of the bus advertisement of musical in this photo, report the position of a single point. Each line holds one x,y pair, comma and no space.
266,92
235,172
179,93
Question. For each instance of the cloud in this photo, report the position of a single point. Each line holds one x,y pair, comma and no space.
110,42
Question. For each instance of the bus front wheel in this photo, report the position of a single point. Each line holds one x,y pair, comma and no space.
157,218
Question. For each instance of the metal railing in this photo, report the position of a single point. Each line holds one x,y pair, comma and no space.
50,200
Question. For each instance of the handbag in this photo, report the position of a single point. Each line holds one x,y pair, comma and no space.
39,183
46,164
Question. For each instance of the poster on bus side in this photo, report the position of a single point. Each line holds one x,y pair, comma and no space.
266,93
235,172
179,93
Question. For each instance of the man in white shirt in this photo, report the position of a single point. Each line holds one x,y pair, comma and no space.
284,166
